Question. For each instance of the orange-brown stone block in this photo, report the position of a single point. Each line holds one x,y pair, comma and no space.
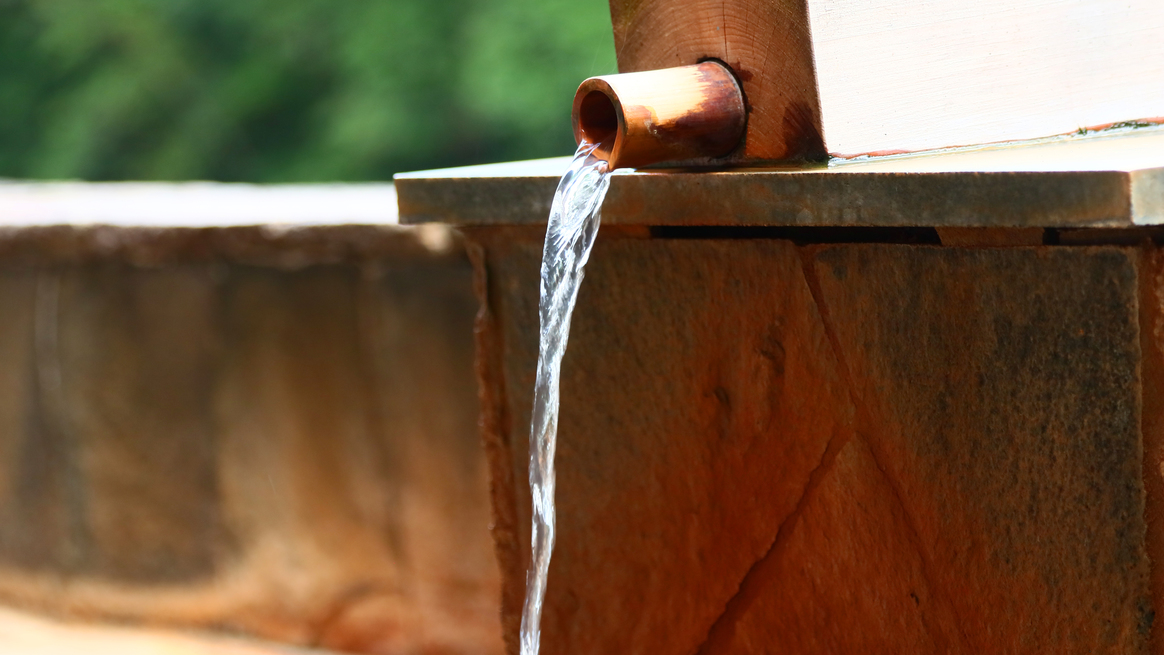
767,447
282,450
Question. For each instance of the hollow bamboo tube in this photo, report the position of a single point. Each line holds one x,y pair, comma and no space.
668,115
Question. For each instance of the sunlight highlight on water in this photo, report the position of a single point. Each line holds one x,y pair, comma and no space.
573,224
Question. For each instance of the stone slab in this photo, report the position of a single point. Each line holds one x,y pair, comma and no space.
851,448
681,447
1103,180
993,501
259,440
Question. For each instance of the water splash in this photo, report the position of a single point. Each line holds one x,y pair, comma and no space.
574,218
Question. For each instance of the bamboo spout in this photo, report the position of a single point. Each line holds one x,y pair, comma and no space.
669,115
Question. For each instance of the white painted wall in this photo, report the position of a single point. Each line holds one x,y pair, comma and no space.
914,75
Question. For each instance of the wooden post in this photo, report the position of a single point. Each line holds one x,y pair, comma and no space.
850,77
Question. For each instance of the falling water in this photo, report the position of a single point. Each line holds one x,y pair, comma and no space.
574,218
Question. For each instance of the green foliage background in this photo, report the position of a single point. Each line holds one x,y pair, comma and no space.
288,90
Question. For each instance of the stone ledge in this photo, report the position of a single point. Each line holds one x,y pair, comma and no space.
277,246
1113,179
151,224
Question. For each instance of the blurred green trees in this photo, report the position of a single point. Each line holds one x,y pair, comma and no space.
288,90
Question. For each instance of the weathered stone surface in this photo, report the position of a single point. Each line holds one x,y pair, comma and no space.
129,363
947,458
689,431
1002,397
285,451
278,246
993,500
845,577
1152,422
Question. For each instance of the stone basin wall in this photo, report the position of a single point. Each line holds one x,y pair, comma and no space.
774,445
266,430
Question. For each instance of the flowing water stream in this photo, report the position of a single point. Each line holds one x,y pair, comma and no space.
573,224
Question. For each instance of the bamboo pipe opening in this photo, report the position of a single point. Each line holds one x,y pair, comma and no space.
683,114
598,121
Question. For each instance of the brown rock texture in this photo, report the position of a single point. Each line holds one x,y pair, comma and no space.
660,437
282,443
1002,389
767,447
1152,420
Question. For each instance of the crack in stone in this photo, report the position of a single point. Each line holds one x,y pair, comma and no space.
916,541
724,625
865,417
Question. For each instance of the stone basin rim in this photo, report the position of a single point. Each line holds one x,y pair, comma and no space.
1106,181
